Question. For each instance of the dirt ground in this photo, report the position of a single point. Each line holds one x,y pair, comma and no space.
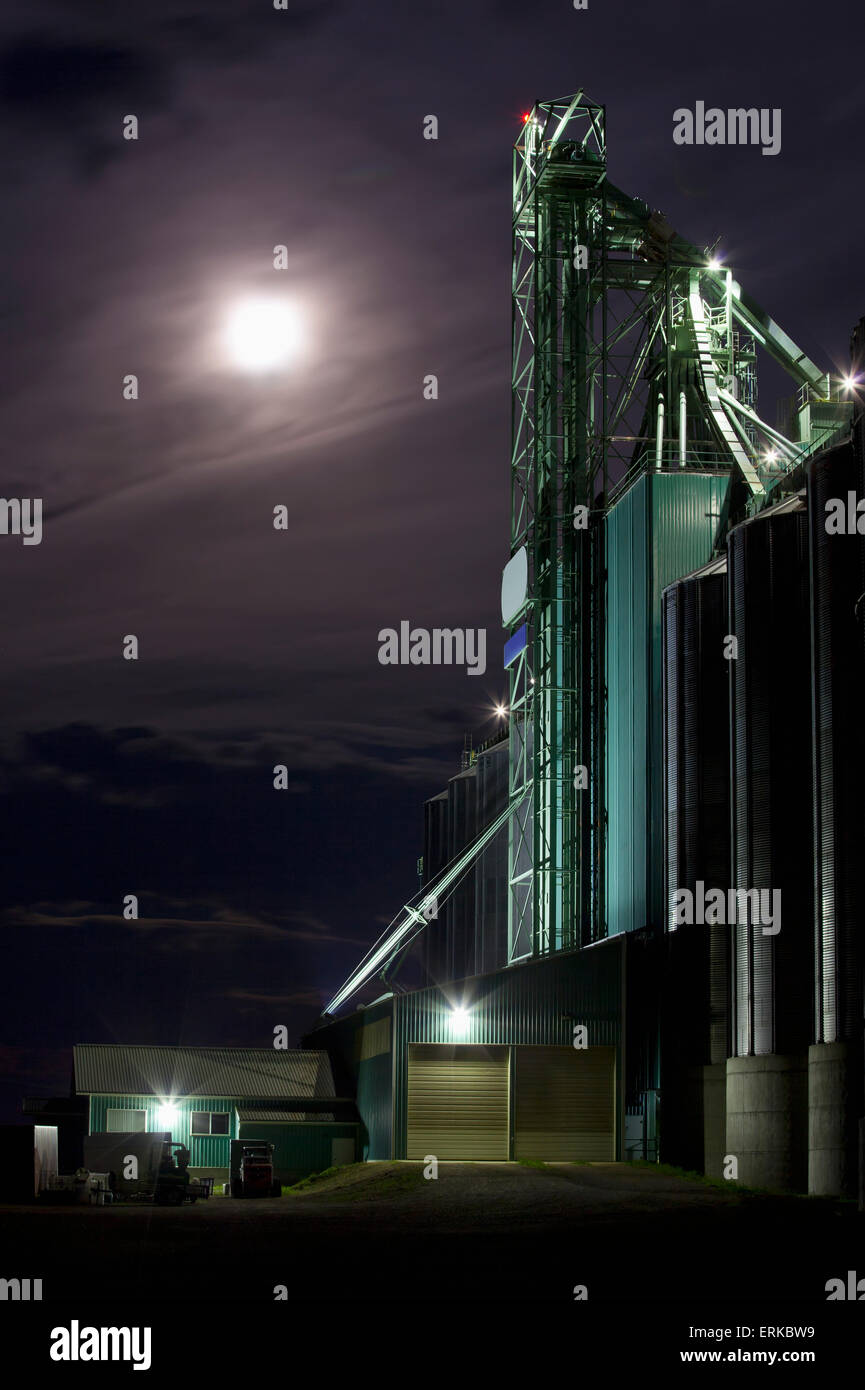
382,1233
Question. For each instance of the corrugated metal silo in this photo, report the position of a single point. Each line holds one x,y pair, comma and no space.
695,1012
771,806
433,941
837,583
491,870
771,843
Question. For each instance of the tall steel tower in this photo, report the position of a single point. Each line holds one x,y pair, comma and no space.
633,351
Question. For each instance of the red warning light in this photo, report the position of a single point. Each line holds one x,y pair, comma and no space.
526,115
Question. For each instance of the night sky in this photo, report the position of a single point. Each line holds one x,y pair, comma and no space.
303,127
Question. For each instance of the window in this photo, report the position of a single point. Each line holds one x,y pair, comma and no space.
210,1122
125,1121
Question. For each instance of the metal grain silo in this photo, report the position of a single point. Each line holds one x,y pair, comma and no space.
491,868
837,576
771,845
433,941
695,1027
468,935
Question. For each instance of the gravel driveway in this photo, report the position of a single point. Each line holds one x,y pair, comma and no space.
479,1231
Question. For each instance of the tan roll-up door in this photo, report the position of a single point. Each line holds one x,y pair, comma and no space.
457,1101
564,1103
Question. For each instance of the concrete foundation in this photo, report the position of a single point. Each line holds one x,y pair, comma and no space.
832,1113
767,1120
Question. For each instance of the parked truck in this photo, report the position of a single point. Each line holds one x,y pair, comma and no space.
252,1169
131,1157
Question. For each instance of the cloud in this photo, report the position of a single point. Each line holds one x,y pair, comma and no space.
47,82
76,80
33,1064
145,769
204,924
257,999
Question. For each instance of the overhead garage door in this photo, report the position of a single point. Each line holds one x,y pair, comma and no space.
457,1101
564,1103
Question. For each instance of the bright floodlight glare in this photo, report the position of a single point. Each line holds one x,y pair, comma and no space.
850,382
501,711
459,1022
168,1113
714,263
262,334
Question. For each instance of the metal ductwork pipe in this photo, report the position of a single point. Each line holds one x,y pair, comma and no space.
659,438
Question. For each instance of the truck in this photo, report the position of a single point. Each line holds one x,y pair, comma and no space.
252,1169
132,1159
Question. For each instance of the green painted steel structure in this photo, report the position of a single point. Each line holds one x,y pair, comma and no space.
537,1002
206,1151
360,1050
659,529
214,1083
299,1149
375,1105
634,353
634,409
551,474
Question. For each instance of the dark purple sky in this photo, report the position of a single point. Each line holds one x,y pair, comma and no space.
303,127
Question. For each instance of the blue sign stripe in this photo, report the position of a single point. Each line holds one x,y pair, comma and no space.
515,645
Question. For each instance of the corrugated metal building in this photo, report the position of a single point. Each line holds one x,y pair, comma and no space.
493,1066
361,1055
207,1097
725,767
482,1064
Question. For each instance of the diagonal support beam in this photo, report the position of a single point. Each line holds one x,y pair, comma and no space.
794,450
710,387
413,916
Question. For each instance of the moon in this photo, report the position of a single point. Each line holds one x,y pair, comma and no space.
263,334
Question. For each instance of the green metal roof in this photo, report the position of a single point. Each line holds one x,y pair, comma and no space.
232,1072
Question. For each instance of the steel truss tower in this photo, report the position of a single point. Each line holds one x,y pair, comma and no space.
632,351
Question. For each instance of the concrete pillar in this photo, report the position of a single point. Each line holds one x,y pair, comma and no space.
832,1139
767,1120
